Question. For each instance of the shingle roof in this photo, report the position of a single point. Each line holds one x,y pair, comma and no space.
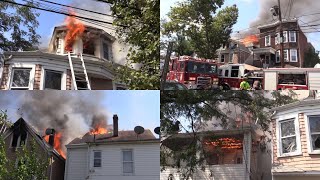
123,136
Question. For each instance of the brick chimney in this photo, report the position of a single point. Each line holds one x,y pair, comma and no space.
50,133
115,125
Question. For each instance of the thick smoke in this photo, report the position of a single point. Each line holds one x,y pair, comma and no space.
71,113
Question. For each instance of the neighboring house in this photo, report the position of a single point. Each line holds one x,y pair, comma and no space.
123,155
39,70
295,44
21,133
233,52
296,141
229,154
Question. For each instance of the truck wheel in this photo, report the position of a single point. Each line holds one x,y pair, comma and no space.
225,87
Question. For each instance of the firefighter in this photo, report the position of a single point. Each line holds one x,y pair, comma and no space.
244,85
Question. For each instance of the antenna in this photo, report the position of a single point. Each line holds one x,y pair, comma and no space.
157,130
138,130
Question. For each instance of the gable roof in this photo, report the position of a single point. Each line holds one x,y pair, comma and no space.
123,136
38,138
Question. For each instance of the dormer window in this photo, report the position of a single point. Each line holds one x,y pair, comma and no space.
106,51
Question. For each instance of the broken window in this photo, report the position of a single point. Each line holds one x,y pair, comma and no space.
88,48
96,158
20,79
52,79
127,161
106,51
288,136
314,124
19,137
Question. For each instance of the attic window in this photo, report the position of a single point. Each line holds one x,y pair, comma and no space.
59,45
19,138
88,48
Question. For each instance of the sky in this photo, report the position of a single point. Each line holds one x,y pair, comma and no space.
132,107
248,10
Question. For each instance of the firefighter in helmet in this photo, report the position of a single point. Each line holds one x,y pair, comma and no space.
244,85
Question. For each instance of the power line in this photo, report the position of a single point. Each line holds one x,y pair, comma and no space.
67,14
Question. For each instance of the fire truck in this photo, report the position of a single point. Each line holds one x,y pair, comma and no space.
292,78
231,75
195,73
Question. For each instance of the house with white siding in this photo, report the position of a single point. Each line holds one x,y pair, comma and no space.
296,140
123,155
231,154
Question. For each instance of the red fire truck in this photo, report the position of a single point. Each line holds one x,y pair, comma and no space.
231,75
292,78
194,72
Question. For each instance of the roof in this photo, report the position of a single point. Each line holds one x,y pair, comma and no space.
36,136
276,23
303,103
123,136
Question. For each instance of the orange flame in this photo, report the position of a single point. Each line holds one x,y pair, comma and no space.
98,130
250,39
57,143
75,29
225,143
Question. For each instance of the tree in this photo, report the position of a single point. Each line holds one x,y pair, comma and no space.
311,58
30,165
196,19
21,22
3,160
197,108
138,23
182,46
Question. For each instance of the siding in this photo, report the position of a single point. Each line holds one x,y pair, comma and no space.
146,162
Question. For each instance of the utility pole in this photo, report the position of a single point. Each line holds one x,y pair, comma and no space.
166,66
281,36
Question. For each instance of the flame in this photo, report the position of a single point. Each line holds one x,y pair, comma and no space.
57,143
250,39
98,130
75,29
225,143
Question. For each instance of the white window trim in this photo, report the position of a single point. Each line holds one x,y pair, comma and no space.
224,58
296,53
18,141
288,60
265,40
297,132
17,66
127,174
277,55
308,134
93,159
277,38
63,78
295,36
285,34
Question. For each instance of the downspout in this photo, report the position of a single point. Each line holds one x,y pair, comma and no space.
88,162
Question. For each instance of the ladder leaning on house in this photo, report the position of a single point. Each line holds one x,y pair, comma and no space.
79,78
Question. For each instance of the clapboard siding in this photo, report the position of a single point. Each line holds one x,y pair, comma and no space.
76,167
146,162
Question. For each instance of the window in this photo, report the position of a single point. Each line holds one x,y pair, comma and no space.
231,57
226,73
88,48
19,138
278,56
96,158
285,55
285,36
20,79
59,45
277,38
288,141
106,51
234,71
314,132
52,79
182,66
222,58
220,72
268,40
127,160
293,55
292,36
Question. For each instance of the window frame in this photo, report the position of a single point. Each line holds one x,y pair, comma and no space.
44,80
285,35
285,118
278,55
277,39
52,68
265,40
122,162
94,151
287,56
19,141
14,66
296,54
295,36
222,55
308,132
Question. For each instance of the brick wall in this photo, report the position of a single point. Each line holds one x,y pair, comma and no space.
37,77
5,77
305,161
69,80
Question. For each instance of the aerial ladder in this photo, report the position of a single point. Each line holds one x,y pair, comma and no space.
80,78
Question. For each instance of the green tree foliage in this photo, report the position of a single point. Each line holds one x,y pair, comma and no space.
204,23
138,23
3,160
18,27
311,58
195,109
30,164
182,46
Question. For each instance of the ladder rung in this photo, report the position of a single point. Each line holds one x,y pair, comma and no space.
83,88
81,81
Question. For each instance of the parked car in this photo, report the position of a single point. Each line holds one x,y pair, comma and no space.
174,86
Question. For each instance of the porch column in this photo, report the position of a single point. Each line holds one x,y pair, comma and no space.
246,154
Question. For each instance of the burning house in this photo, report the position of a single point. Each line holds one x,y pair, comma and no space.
47,147
94,55
228,154
234,52
114,155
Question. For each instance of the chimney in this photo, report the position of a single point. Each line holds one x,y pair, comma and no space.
50,133
115,125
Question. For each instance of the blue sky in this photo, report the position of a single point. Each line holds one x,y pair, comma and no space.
248,10
132,107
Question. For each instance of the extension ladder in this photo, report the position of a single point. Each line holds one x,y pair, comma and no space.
79,78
